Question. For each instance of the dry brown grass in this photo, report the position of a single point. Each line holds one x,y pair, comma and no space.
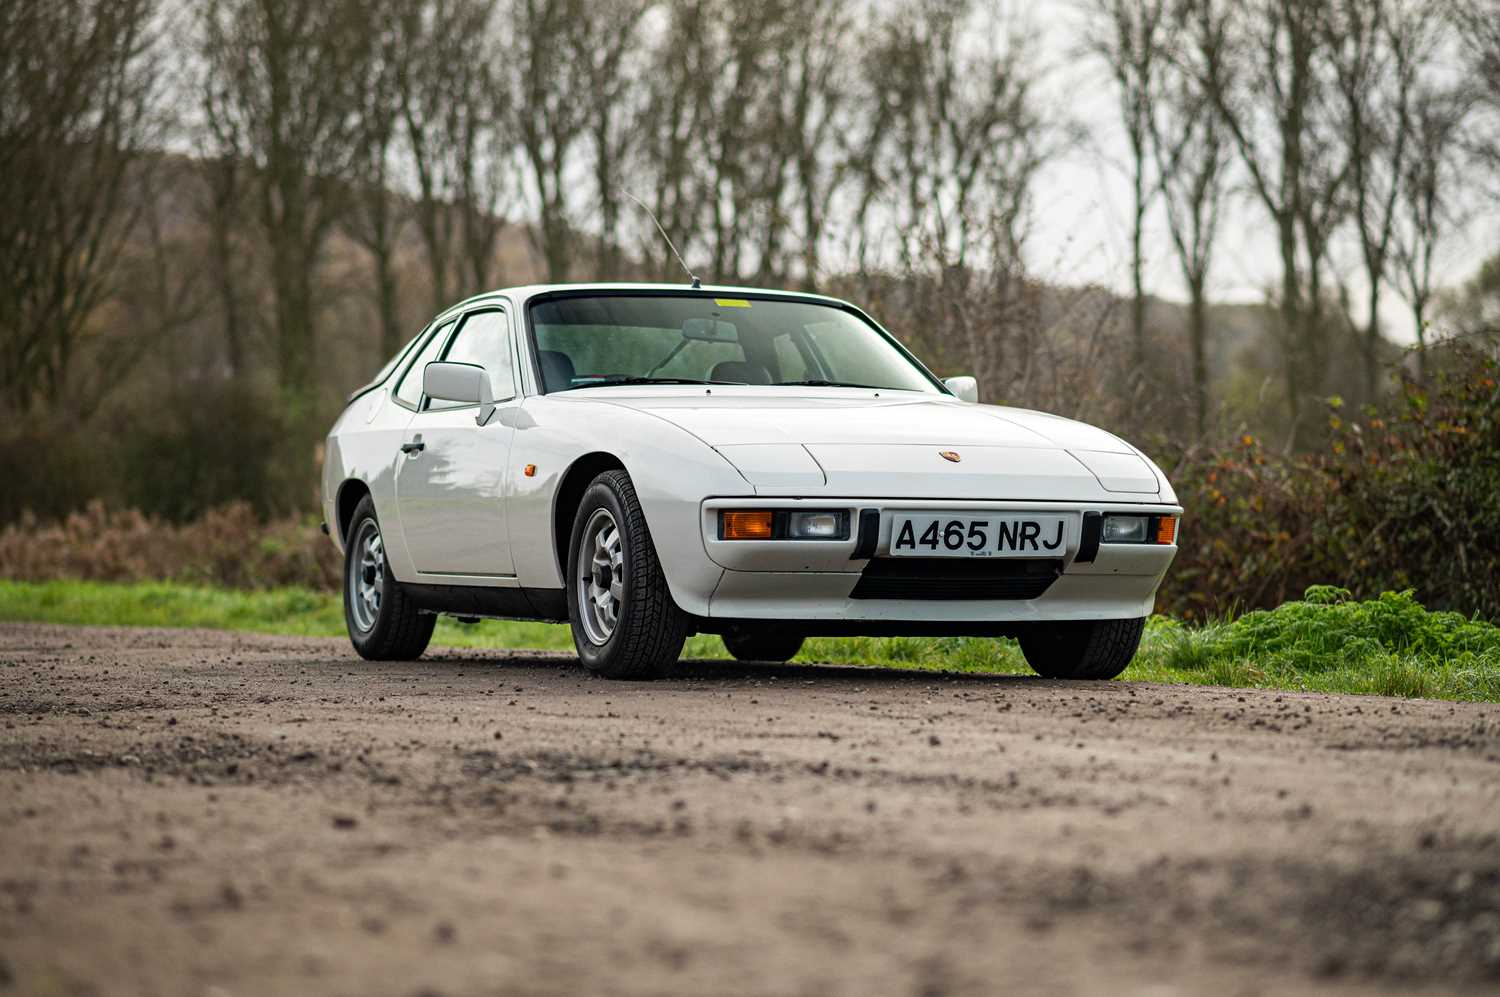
228,546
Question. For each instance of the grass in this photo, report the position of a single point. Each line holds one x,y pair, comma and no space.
1326,642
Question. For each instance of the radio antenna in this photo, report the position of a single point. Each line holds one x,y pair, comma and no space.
696,282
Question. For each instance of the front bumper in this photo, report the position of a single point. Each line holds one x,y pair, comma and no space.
817,582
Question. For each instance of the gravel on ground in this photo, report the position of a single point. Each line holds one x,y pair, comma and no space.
203,813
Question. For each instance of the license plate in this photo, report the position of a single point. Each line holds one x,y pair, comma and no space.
990,535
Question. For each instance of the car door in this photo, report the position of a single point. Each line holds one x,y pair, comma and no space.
452,481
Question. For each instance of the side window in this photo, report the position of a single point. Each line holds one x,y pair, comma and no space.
409,391
483,340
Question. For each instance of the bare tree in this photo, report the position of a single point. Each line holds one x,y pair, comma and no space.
1478,24
455,102
77,82
958,139
755,177
551,93
958,135
280,79
1128,36
669,150
572,67
1192,166
426,95
377,215
484,169
816,93
731,145
610,53
158,291
742,134
1378,49
1271,84
1426,205
222,207
1472,310
716,154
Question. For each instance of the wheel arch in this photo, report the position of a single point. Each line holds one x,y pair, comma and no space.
569,495
349,495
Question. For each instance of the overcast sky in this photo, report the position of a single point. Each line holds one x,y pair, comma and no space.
1081,230
1083,205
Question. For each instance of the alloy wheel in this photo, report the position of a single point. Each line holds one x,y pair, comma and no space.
367,579
600,576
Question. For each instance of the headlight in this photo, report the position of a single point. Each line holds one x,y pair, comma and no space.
817,525
1124,530
1139,530
784,524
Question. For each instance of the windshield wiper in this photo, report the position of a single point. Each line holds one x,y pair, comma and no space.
610,382
829,384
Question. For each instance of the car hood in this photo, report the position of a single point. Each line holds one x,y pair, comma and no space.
856,443
732,416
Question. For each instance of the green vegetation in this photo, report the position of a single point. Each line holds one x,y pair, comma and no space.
1392,505
1403,498
297,612
1326,642
1330,642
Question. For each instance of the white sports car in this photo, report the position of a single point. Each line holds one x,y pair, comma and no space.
648,461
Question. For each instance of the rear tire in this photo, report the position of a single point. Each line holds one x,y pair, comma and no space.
1083,649
625,623
763,645
383,623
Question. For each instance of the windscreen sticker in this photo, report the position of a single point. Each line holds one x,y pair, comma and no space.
731,303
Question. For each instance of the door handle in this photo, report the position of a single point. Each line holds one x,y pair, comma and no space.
415,446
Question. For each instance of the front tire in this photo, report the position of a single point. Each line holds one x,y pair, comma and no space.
1082,649
383,623
763,645
625,624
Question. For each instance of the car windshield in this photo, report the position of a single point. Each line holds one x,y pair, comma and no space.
594,341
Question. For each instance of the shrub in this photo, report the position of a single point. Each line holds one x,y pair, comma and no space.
1328,627
227,546
1404,498
208,445
1417,490
1252,530
1389,646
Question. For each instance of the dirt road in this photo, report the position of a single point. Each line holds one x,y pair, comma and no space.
214,814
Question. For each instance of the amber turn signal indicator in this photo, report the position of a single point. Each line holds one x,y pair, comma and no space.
529,470
741,524
1166,530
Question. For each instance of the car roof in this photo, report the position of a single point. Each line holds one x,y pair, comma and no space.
522,293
